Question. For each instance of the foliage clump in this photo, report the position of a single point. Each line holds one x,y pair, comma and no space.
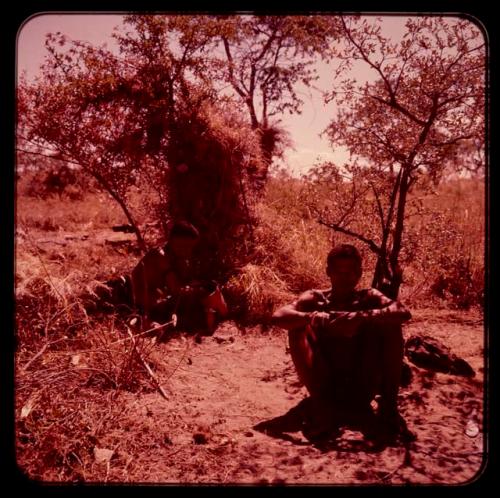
214,165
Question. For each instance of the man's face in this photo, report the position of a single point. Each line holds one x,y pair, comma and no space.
183,246
344,274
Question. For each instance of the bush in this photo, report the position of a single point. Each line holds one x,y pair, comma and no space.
459,283
51,180
214,158
441,228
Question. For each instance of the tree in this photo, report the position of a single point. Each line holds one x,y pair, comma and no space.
426,103
110,114
266,57
157,109
149,115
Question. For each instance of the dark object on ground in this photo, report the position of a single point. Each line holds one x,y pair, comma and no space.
116,291
200,438
429,353
123,228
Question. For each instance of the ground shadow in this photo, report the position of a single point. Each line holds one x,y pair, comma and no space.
346,431
294,420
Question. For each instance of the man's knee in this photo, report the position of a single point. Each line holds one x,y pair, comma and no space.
306,361
393,335
302,342
382,331
215,301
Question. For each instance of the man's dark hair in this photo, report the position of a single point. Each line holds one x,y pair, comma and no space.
184,229
344,251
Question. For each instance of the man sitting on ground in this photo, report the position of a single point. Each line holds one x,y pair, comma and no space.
347,346
163,284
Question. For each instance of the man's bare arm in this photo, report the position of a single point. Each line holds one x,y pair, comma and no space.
385,312
392,313
288,317
299,313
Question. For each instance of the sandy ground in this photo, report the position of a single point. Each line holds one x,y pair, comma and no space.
227,391
221,388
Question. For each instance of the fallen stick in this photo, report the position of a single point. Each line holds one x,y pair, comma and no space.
158,326
37,355
146,366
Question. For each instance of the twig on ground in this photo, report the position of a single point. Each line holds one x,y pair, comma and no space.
98,370
156,382
180,362
37,355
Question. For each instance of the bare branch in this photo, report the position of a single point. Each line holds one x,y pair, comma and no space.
379,206
146,366
334,226
240,92
49,156
395,105
268,44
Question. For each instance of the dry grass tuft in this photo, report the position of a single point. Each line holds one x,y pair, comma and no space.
72,370
67,398
255,292
295,249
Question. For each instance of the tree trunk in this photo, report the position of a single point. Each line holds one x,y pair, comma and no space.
398,234
381,269
121,203
128,214
380,272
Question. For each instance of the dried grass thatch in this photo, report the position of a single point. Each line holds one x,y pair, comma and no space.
214,160
255,292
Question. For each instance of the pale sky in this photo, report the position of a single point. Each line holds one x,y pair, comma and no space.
304,128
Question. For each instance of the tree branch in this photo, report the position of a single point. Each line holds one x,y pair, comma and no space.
105,184
451,142
395,105
379,206
48,156
268,44
334,226
240,92
365,56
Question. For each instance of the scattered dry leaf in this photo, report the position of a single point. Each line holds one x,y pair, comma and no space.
26,409
102,455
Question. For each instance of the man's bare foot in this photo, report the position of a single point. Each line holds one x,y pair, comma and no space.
321,420
390,428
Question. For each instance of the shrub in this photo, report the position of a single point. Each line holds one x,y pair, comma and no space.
49,180
459,283
214,158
